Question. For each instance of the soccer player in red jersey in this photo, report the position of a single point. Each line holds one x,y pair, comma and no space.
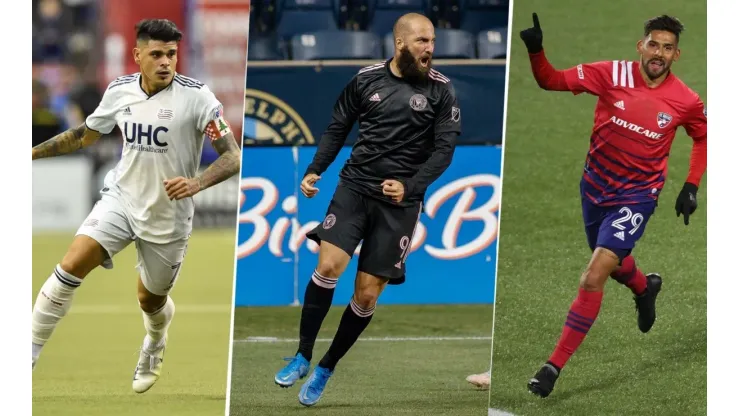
640,106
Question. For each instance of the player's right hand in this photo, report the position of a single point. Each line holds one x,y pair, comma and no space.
532,37
307,185
686,202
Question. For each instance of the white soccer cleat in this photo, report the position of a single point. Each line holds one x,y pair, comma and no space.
149,367
482,380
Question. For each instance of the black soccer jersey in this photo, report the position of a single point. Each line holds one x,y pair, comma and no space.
407,132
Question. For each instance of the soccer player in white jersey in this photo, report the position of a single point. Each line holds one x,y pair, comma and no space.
147,197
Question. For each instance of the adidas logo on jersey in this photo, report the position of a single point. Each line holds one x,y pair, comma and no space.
619,105
375,97
127,111
619,235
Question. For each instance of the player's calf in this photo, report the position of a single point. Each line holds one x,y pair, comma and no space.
55,297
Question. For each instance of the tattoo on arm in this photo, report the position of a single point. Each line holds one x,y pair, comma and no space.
66,142
227,164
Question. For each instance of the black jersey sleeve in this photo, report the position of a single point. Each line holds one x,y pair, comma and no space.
438,162
447,118
346,111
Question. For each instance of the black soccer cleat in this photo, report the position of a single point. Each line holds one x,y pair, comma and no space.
543,383
645,303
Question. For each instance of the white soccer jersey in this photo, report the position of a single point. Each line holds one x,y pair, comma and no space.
162,139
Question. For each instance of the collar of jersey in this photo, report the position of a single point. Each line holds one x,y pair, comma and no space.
153,95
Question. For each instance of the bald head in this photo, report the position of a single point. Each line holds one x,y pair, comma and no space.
409,24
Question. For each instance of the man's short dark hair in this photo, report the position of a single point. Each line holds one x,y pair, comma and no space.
666,23
157,29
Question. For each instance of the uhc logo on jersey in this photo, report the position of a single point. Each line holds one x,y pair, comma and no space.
145,137
269,120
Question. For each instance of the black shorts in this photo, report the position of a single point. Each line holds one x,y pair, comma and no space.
384,229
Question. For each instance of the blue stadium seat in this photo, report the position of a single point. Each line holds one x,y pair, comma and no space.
263,17
303,16
479,15
265,48
492,43
336,44
389,45
454,44
384,13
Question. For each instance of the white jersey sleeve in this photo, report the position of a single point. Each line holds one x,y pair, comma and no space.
207,108
103,119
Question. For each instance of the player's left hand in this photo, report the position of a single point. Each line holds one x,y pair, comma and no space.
393,189
180,188
686,202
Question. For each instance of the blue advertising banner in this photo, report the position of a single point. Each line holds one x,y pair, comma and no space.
453,254
292,104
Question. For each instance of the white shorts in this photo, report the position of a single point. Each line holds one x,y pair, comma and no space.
158,264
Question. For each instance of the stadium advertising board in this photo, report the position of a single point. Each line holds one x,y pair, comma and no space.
453,252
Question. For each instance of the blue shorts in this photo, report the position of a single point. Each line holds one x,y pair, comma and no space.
616,227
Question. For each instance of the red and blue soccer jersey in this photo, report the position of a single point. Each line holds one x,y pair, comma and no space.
634,127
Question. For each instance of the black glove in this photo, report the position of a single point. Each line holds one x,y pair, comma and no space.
532,37
686,202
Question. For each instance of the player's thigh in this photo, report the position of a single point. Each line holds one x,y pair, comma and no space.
345,221
159,265
593,216
387,242
623,226
104,233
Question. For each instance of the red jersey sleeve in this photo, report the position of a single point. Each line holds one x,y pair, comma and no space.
696,120
696,128
594,78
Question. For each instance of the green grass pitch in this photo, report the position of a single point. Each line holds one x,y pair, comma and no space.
543,250
86,367
375,378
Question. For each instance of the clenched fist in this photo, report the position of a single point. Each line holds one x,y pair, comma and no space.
393,189
307,185
180,188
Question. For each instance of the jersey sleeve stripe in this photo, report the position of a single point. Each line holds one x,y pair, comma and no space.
435,72
189,80
623,77
188,85
438,78
372,67
615,73
630,79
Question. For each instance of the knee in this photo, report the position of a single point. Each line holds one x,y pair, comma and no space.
330,268
366,297
150,303
75,265
592,280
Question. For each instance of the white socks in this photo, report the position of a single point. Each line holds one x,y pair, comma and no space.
53,302
157,323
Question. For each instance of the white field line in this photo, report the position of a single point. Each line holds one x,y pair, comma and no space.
269,340
134,309
497,412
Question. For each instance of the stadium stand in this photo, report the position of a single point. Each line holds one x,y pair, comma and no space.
337,29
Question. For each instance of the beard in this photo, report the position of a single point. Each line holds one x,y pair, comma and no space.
653,70
411,67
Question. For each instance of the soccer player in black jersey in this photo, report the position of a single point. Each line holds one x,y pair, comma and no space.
409,121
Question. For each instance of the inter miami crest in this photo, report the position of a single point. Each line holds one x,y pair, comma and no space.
664,119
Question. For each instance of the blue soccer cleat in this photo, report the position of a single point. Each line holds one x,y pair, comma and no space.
313,388
294,371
